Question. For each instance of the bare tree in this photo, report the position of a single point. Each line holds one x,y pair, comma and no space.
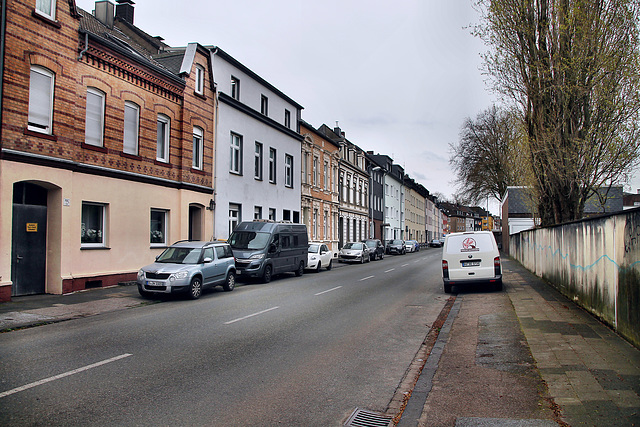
487,157
572,66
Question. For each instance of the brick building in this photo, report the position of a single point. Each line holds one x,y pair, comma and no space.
320,205
106,153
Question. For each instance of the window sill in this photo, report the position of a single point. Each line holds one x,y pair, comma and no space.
159,246
93,147
45,19
200,95
198,171
130,156
235,173
40,135
162,163
95,248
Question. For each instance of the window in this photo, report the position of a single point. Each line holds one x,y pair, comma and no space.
326,175
305,168
234,216
235,164
272,214
131,128
326,225
257,212
264,105
235,88
94,123
272,165
288,170
198,147
315,223
199,80
287,118
158,228
164,127
46,8
258,161
286,215
40,100
315,171
93,226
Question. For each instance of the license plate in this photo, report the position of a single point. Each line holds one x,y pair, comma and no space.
149,283
471,263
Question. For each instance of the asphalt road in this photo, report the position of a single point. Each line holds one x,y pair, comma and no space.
297,351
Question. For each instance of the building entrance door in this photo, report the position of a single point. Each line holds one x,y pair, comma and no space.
28,249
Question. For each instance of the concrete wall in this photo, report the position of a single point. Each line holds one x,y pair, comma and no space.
595,262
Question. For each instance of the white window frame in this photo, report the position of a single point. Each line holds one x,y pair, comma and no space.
235,154
158,236
41,120
131,133
258,161
272,165
287,118
86,235
199,79
264,105
43,5
315,171
198,148
288,170
257,212
235,212
272,214
94,117
235,88
162,141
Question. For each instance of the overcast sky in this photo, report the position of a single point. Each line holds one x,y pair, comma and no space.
399,76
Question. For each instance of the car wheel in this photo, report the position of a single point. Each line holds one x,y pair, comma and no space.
381,256
361,259
230,283
447,288
368,258
375,256
266,275
300,270
330,266
143,293
195,288
319,266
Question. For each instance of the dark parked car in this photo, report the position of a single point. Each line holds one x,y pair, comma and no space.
435,243
376,248
396,247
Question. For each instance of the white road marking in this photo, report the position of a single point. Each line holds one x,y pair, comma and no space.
66,374
329,290
367,278
251,315
388,271
404,265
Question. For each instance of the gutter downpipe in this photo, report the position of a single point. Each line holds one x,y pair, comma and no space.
213,53
3,30
86,46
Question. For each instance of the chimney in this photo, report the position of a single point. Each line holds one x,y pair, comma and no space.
104,12
337,130
124,10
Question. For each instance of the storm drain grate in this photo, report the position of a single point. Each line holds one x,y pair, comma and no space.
362,418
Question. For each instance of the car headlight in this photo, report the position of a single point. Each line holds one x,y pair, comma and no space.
257,256
179,275
140,275
313,257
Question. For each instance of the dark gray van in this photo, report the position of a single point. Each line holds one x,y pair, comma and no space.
263,248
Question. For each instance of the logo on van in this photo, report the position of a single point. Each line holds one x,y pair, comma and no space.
469,245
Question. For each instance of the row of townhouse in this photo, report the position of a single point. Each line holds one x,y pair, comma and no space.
113,145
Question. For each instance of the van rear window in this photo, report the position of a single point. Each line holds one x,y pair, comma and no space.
470,243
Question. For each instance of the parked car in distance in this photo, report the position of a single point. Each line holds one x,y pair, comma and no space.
471,258
396,247
319,256
354,252
376,248
411,246
189,267
435,243
442,240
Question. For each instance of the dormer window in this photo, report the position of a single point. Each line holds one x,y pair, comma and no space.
199,80
264,105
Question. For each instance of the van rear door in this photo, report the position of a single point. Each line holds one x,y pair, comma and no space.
470,256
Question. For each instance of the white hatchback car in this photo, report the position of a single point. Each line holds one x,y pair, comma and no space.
319,257
471,258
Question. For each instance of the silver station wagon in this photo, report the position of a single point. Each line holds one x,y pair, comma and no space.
189,267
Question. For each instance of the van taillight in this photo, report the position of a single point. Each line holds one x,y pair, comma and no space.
445,269
496,265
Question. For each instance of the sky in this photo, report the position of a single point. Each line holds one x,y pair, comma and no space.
399,77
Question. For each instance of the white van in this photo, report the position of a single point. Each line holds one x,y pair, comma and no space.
471,258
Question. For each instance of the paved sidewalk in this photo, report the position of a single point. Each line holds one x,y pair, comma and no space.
592,374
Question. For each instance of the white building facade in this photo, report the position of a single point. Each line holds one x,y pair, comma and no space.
258,148
394,204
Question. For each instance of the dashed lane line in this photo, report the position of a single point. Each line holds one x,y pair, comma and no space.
251,315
